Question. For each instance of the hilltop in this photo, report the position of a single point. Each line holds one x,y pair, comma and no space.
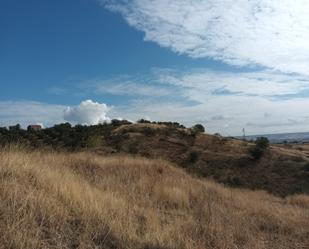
282,170
83,200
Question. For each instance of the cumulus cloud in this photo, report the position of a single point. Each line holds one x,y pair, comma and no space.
87,112
270,33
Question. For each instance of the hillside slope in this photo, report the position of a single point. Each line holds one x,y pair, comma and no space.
57,200
282,170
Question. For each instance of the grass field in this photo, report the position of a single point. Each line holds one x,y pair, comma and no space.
57,200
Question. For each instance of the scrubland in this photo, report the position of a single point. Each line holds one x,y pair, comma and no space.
81,200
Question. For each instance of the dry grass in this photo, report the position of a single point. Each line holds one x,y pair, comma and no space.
52,200
299,200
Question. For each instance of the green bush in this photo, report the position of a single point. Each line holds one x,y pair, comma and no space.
261,145
198,128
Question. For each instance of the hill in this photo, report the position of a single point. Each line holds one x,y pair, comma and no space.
82,200
282,169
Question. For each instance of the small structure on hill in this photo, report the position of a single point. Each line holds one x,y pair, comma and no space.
34,128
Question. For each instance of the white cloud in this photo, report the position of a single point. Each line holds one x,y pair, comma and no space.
220,118
226,102
237,112
87,112
262,83
130,87
29,112
223,113
270,33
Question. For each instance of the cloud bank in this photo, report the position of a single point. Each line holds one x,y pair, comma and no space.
270,33
225,102
30,112
87,112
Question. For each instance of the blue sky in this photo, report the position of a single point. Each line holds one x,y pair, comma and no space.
227,65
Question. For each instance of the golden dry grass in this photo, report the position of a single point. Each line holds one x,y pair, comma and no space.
54,200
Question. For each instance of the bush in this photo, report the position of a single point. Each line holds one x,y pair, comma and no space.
193,157
171,124
256,152
261,145
93,142
143,121
117,122
262,142
198,128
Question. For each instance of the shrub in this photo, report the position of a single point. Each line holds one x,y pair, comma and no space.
256,152
171,124
262,142
261,145
117,122
198,128
15,127
93,142
143,121
193,157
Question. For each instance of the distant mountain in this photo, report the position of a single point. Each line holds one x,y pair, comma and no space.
301,137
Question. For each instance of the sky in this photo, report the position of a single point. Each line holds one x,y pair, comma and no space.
225,64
